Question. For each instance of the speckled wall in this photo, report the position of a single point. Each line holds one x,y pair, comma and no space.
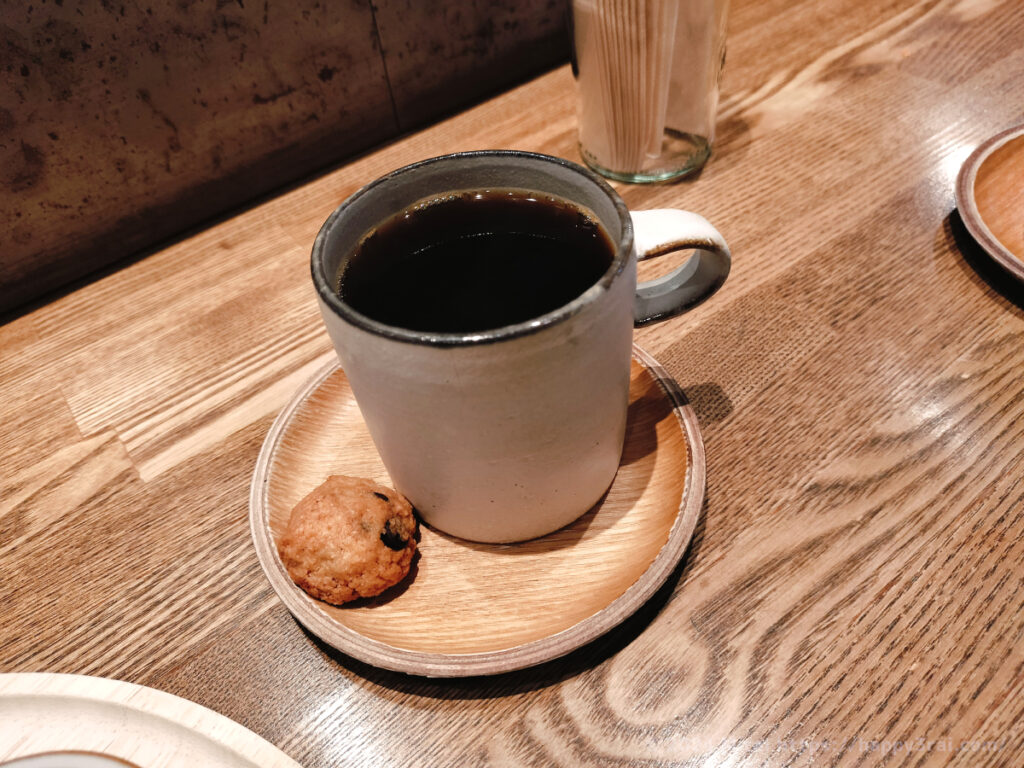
122,124
478,45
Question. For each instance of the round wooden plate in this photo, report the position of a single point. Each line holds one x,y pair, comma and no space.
87,722
990,197
478,609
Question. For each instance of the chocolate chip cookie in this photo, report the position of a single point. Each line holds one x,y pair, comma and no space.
349,538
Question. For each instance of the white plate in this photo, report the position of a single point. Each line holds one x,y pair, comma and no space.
42,715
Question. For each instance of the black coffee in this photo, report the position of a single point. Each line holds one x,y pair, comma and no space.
475,260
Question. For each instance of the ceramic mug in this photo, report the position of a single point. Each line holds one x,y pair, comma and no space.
509,434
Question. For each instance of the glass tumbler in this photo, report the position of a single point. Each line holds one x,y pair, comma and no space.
647,74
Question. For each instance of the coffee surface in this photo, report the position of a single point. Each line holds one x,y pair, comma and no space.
474,261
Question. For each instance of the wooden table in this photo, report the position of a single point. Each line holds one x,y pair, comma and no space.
854,593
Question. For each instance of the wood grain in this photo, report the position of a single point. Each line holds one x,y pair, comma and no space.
853,592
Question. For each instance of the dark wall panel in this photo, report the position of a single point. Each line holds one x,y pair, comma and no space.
125,123
443,55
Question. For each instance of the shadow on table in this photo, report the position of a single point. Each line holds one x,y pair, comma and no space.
542,675
981,268
709,401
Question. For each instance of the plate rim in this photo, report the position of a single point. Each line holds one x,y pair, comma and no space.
36,757
245,746
379,654
967,205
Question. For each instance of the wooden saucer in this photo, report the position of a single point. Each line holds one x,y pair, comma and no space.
990,198
479,609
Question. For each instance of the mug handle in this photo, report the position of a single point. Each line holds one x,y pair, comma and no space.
666,230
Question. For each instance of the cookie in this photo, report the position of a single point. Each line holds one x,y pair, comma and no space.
349,538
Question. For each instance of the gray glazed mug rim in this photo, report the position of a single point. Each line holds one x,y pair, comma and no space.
324,282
